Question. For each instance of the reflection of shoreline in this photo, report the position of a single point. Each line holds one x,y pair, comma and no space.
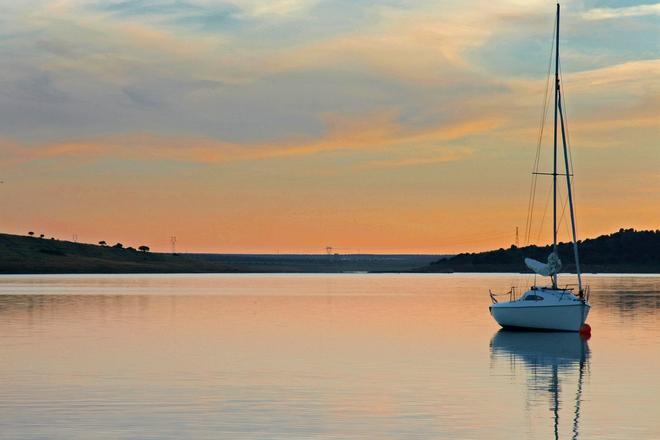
33,308
546,355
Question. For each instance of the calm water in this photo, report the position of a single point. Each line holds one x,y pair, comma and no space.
318,356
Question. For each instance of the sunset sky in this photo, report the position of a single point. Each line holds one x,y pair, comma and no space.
291,125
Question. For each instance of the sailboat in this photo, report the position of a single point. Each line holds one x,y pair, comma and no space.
551,307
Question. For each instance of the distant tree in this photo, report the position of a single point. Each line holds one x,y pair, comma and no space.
31,233
130,248
103,243
41,235
118,246
144,248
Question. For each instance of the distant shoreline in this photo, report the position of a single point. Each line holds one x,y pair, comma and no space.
33,255
624,252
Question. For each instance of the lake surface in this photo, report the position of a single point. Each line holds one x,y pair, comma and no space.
318,357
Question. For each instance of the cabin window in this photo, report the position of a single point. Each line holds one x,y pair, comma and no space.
533,298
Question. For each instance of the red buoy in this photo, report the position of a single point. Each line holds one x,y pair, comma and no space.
585,330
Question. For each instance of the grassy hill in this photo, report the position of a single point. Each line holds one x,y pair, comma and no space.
625,251
30,255
20,254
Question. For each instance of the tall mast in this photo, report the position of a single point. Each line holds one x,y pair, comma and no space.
554,169
558,108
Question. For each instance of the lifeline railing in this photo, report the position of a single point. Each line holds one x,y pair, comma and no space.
582,294
511,293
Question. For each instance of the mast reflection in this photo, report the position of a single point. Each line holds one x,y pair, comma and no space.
546,357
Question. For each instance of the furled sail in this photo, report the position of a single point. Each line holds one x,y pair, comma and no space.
548,269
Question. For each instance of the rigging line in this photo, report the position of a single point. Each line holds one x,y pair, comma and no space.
568,144
533,185
545,210
561,218
544,113
560,221
565,111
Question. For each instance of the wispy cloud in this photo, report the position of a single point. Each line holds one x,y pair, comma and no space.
625,11
630,75
359,133
432,156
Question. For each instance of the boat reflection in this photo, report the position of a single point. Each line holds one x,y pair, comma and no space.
546,358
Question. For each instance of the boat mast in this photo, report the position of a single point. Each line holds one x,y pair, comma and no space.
554,169
558,109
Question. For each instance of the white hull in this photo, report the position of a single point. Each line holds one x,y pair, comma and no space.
555,312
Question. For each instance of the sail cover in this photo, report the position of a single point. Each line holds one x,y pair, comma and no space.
548,269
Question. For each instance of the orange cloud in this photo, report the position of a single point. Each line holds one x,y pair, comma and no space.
360,133
438,155
421,50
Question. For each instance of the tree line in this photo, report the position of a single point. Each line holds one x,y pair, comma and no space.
103,243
